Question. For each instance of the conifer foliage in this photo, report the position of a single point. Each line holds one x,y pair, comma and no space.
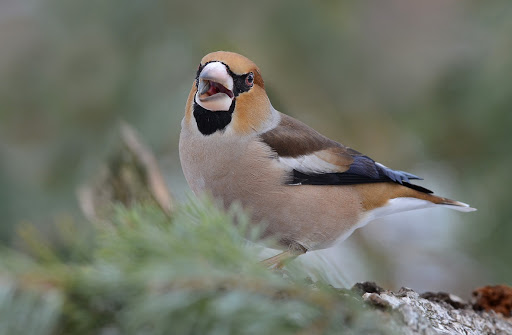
143,272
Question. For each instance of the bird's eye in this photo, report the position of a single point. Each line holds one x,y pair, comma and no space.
249,79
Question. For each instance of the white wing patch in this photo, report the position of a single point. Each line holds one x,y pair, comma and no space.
381,165
308,164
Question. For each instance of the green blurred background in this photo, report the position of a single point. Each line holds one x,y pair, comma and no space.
421,86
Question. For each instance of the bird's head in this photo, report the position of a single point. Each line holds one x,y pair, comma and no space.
228,95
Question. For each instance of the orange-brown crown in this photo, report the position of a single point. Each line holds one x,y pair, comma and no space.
236,63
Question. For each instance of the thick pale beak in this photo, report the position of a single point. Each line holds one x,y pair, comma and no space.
215,87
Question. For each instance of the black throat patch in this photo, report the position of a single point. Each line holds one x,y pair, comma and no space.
209,122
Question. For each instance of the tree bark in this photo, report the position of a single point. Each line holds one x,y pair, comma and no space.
440,313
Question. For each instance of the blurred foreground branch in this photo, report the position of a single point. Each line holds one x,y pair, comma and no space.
130,176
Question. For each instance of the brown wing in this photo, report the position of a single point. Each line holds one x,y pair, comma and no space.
317,160
293,139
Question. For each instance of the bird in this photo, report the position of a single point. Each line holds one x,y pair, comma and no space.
311,192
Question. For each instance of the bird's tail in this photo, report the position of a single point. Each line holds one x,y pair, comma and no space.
449,203
393,198
419,192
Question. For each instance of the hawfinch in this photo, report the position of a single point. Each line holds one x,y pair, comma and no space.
309,190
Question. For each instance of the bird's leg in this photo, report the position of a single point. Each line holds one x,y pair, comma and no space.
279,260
